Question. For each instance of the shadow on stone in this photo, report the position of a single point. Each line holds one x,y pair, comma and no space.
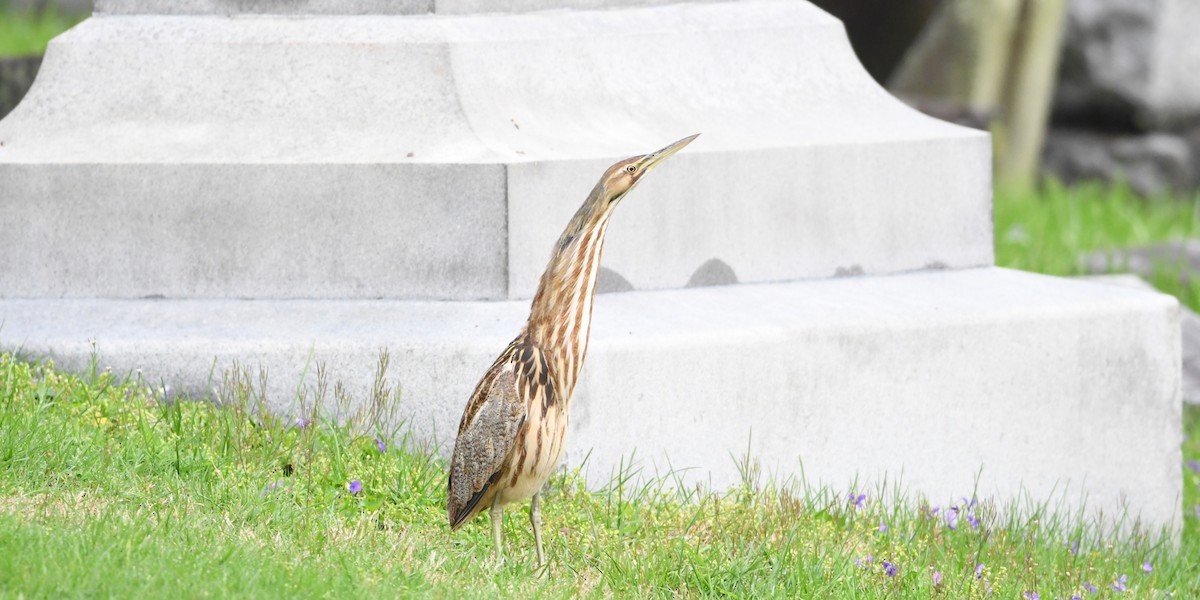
609,281
713,272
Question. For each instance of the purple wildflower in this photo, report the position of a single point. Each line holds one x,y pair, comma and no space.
1119,585
1074,547
272,487
937,578
973,521
951,517
858,500
882,527
889,568
868,560
1147,568
302,423
978,570
1030,595
355,486
379,444
1194,465
1076,597
1091,589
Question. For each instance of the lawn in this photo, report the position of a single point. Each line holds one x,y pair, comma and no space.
106,489
1046,231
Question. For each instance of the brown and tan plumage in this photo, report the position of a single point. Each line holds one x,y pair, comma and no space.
513,429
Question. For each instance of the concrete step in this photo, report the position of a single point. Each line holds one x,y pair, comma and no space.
1189,325
438,156
987,379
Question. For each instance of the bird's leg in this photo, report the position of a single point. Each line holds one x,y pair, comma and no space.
535,519
497,520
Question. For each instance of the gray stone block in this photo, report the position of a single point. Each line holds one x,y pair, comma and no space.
1153,164
264,7
805,167
1180,257
359,7
1189,325
986,380
513,6
253,231
768,215
1131,61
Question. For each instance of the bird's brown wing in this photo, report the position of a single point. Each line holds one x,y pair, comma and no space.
485,436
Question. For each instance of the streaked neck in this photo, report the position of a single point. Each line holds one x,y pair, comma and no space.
560,318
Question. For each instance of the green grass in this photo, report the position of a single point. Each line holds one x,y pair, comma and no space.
1046,230
23,33
108,489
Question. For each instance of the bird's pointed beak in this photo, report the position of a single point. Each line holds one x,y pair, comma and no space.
655,158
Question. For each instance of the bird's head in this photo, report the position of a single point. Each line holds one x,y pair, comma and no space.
622,177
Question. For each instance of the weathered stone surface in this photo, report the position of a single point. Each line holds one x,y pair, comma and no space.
1131,62
1189,325
1152,164
513,6
1012,382
805,165
433,231
358,7
1177,258
264,7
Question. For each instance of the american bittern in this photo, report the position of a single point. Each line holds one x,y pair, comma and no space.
512,430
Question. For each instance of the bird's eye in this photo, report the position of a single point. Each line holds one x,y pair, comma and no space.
631,169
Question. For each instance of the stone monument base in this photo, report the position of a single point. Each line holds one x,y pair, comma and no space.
988,380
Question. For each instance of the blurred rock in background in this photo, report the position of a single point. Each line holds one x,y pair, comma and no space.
1128,99
1124,105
